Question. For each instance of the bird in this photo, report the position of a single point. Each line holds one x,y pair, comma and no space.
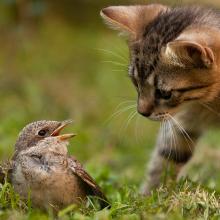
42,169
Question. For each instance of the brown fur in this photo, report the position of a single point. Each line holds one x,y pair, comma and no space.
175,58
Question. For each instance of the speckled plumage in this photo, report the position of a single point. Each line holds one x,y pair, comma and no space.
44,168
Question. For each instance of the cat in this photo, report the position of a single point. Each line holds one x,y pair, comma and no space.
174,66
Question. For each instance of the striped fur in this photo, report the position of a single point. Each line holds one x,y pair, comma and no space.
174,65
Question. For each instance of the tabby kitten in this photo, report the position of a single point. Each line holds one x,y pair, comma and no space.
174,66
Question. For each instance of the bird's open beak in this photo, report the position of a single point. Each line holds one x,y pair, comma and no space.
62,137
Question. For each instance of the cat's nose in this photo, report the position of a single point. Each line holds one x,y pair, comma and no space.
145,114
144,108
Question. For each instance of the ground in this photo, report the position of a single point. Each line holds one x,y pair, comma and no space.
81,74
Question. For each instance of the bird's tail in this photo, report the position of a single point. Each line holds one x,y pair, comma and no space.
103,201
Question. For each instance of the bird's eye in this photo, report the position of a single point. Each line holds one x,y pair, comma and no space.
42,133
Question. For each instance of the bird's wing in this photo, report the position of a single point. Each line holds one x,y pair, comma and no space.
94,189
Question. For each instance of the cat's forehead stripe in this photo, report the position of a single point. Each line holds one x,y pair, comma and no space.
163,29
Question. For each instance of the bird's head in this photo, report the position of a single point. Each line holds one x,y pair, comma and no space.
38,131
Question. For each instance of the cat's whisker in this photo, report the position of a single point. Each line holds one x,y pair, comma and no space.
122,110
116,63
168,143
130,119
114,54
183,132
170,148
119,112
125,97
137,134
209,108
172,137
175,137
164,133
163,139
160,128
122,51
126,123
181,127
136,130
124,102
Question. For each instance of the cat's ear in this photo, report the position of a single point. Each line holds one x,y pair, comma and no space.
131,19
191,50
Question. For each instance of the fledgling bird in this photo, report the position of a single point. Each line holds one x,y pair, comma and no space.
42,167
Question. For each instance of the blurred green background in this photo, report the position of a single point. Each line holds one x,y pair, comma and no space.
59,61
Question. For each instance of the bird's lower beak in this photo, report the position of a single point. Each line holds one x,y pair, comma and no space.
64,137
56,132
63,124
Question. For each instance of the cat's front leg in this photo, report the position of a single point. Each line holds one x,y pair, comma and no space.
174,148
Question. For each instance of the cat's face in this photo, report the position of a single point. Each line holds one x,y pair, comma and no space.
170,65
164,87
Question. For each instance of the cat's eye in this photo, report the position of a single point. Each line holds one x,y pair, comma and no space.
42,132
162,94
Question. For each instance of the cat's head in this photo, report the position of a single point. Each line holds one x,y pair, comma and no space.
173,55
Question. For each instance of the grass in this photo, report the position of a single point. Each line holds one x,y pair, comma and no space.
186,200
80,73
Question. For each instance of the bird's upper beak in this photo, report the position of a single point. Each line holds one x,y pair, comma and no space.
62,137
